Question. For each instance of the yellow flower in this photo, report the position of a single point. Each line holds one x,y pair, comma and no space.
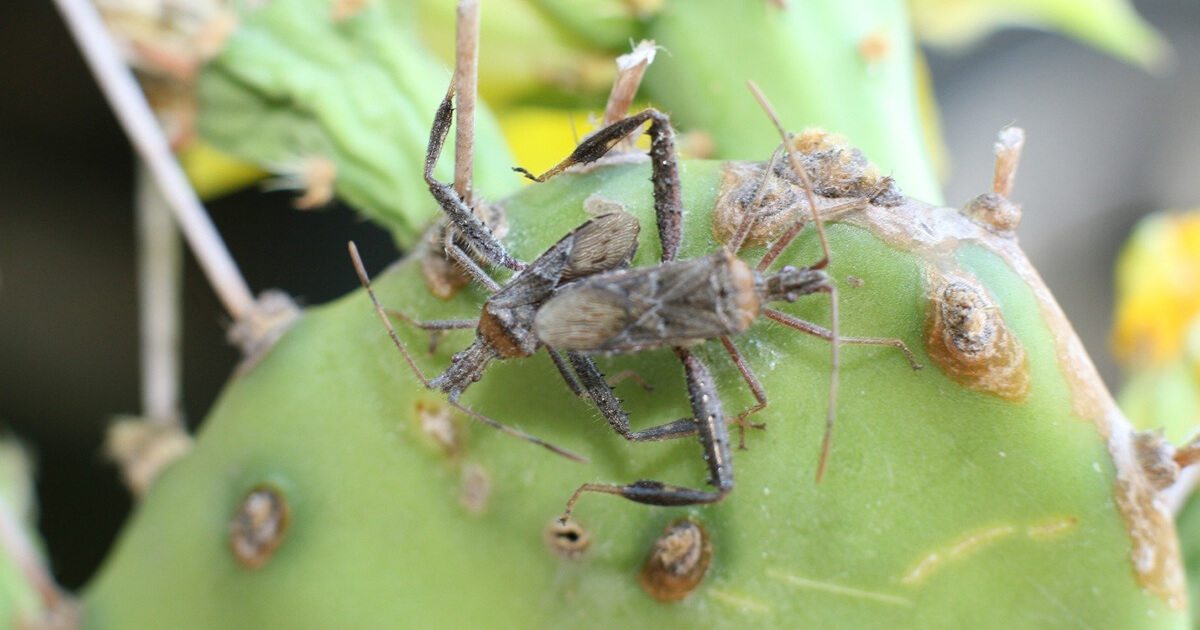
1158,290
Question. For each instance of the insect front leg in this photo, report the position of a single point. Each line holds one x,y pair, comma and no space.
824,333
464,220
434,327
709,420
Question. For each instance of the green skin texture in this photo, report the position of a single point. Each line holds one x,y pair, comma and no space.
364,99
1188,524
806,60
379,538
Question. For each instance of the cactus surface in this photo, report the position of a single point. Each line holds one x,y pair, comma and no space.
946,504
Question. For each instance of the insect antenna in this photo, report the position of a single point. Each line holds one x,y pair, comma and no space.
379,310
778,247
802,173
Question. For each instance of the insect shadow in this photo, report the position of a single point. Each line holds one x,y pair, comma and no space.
681,303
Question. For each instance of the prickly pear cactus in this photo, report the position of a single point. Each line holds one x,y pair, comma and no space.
335,97
997,487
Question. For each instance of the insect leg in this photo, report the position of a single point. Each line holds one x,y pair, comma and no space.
518,433
472,229
565,371
833,337
709,420
434,327
600,392
668,204
756,388
623,375
824,333
472,268
366,282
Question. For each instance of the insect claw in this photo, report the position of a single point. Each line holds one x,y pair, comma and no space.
527,174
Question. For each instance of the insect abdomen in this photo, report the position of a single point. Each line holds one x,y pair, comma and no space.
674,304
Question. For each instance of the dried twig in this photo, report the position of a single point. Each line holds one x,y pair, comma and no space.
466,79
1008,153
136,117
160,267
630,69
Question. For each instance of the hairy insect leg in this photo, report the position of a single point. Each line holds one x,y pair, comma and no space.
668,204
565,371
760,394
383,316
434,327
709,420
472,268
469,226
599,390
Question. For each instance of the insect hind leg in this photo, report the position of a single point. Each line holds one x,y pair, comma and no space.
668,200
597,388
709,422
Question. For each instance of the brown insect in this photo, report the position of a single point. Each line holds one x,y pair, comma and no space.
504,328
683,303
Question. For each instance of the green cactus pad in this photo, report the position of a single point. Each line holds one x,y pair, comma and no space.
846,66
944,506
293,84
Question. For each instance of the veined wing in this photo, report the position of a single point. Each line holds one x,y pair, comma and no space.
673,304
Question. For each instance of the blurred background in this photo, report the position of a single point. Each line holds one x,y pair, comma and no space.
1106,143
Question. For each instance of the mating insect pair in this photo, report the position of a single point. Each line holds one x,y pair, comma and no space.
581,297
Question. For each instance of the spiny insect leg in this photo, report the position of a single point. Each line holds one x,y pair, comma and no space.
600,392
709,421
668,204
459,256
460,215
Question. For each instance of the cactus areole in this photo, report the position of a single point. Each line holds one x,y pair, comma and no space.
1000,487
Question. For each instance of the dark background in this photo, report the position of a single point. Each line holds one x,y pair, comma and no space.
1106,144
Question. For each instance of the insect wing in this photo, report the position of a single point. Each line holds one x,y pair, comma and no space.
637,309
607,242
